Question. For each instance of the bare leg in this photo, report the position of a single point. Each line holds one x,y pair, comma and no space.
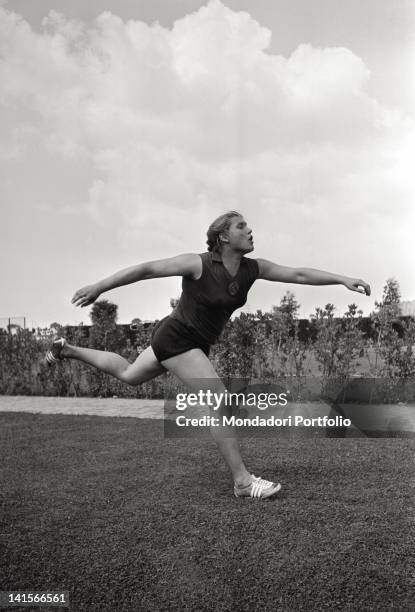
195,365
145,367
192,368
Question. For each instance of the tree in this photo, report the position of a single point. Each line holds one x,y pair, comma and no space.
57,328
388,310
284,319
104,321
263,366
289,306
104,314
291,351
338,345
387,313
103,336
396,361
391,296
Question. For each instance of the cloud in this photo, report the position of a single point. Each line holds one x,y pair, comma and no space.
178,124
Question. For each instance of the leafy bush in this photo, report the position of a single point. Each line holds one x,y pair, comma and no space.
265,347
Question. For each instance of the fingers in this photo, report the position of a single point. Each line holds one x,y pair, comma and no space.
78,296
366,287
78,300
359,286
83,303
362,287
82,298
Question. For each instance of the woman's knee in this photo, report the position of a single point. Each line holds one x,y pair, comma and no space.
144,368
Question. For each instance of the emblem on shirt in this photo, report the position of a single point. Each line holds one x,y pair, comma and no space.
233,288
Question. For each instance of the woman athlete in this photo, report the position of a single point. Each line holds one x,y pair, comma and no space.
214,285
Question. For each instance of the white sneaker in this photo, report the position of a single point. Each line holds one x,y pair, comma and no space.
259,488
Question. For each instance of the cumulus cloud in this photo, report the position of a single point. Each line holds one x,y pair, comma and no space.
176,125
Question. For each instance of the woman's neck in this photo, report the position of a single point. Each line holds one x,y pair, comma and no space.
231,259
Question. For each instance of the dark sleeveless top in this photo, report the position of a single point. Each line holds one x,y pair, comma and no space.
206,304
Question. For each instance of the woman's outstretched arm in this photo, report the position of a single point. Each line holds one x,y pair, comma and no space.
188,264
308,276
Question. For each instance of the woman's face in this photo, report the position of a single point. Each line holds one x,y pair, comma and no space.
239,236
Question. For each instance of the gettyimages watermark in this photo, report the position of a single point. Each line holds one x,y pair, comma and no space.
343,409
261,401
215,400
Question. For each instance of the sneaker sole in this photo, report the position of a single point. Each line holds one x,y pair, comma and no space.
274,492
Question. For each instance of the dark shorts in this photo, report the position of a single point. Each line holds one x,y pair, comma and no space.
171,337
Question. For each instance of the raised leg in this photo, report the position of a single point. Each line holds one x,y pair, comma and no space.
144,368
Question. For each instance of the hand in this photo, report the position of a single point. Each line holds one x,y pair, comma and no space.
356,284
86,296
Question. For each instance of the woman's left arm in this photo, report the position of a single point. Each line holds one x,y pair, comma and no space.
308,276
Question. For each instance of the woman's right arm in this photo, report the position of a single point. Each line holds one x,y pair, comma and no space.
188,264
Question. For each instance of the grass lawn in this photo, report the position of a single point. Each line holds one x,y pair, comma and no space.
109,510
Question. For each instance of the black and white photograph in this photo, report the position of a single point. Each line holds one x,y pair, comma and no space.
207,311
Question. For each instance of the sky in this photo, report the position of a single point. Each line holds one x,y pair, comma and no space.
128,126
